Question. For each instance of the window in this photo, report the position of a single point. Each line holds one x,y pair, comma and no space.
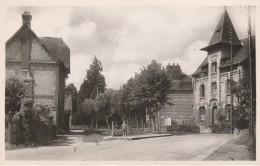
227,112
228,87
202,90
202,113
213,88
214,67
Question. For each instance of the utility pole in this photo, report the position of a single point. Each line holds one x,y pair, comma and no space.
231,82
250,75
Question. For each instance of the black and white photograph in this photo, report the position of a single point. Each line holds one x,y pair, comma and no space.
130,83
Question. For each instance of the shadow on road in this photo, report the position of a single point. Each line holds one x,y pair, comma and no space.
62,141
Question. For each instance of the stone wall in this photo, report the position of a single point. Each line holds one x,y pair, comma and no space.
38,52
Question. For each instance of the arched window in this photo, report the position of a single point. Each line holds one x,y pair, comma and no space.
202,113
202,90
214,67
213,88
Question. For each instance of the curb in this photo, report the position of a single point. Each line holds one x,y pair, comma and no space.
136,138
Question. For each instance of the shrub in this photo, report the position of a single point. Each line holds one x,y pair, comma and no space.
183,129
15,91
35,123
25,117
220,128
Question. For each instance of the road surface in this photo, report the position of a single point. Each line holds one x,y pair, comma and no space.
171,148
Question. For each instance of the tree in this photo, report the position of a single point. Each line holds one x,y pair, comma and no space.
153,84
93,83
146,91
89,108
15,91
104,106
241,91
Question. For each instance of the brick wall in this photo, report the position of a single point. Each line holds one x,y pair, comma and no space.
182,111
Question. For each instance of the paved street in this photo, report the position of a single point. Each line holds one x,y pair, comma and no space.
176,148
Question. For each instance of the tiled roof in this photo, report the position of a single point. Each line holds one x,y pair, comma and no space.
221,33
58,48
240,56
185,83
242,53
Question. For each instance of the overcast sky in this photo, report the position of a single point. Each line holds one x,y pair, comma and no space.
126,39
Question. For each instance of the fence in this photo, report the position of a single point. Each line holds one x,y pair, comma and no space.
132,129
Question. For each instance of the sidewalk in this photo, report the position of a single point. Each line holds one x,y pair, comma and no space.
135,137
234,149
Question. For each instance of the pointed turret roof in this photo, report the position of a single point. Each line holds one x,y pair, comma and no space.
221,34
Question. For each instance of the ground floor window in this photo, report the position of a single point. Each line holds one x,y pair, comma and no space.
202,113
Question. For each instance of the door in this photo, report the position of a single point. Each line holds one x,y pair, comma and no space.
214,109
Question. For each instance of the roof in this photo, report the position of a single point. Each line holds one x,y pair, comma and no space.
240,56
221,33
184,84
242,53
58,48
55,46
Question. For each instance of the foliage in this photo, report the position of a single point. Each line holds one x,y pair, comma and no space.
241,91
221,128
36,123
93,83
103,104
175,129
25,115
147,91
89,108
15,91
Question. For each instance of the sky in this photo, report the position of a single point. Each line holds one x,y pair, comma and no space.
127,38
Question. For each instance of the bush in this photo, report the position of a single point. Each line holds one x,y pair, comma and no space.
183,129
35,123
220,128
15,91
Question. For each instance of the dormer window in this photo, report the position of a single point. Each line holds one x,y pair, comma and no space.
214,67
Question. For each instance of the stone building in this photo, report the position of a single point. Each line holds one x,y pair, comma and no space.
42,63
181,96
211,81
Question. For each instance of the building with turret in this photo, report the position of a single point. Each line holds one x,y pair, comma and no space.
42,63
212,79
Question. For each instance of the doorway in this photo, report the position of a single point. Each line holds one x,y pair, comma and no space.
214,109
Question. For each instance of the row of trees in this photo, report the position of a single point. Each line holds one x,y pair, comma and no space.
145,93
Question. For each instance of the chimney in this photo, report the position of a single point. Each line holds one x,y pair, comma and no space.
27,18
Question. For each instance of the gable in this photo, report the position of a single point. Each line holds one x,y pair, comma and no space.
38,52
13,50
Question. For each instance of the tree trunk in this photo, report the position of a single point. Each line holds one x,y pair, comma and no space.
91,123
96,123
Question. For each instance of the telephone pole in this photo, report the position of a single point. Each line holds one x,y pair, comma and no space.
250,75
231,82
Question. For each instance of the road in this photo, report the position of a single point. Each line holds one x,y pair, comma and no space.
171,148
